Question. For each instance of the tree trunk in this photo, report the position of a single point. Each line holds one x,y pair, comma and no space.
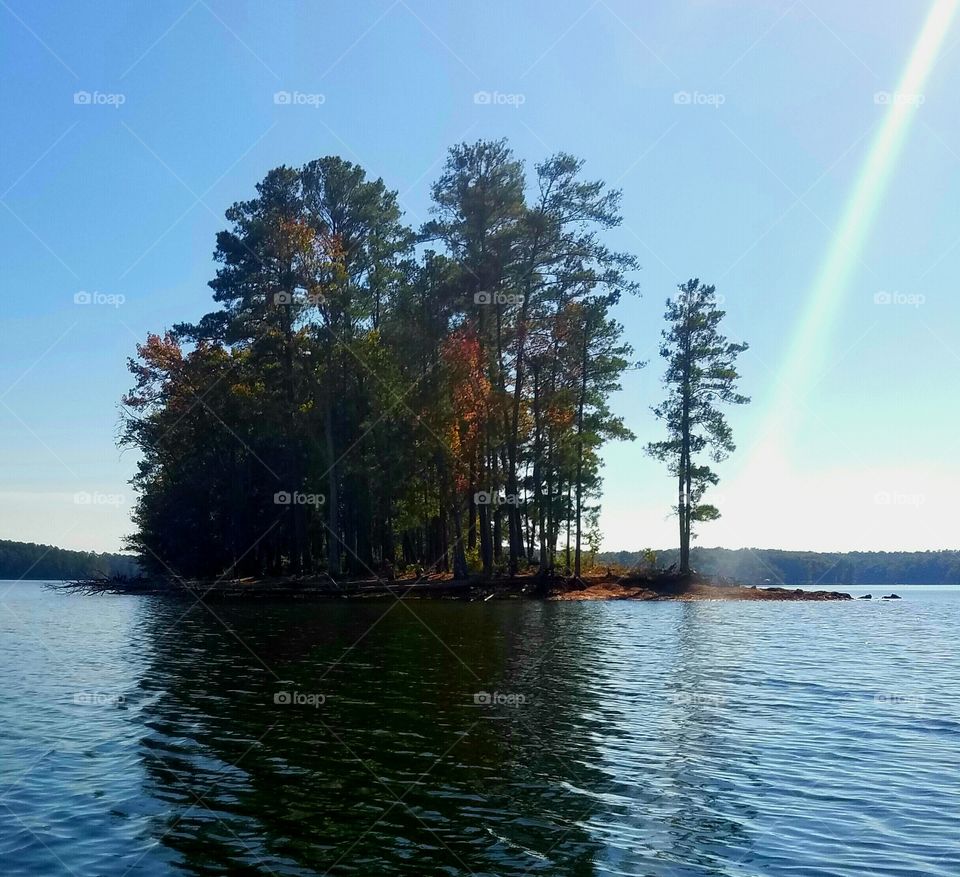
459,556
333,498
582,400
684,497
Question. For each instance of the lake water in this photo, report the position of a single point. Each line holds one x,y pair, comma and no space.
150,737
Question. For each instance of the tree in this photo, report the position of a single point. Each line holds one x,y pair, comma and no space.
358,221
701,376
258,283
602,359
355,403
478,206
560,262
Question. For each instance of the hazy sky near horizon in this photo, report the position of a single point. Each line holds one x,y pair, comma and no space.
761,146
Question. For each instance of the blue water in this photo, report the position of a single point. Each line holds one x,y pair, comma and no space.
150,737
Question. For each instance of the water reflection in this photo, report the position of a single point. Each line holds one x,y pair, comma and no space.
399,768
712,761
627,739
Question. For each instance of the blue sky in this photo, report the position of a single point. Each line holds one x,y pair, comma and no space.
737,131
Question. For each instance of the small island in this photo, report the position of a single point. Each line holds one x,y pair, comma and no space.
367,396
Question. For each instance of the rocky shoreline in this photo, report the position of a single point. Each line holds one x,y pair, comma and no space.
693,590
658,586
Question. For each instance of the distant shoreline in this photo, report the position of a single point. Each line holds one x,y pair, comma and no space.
750,566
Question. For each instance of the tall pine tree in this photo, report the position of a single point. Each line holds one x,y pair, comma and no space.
701,376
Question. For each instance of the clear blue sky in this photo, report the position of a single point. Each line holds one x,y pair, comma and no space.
746,185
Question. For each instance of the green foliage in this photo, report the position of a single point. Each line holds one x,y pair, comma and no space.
701,376
386,383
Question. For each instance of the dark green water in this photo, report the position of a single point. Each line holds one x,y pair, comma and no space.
146,737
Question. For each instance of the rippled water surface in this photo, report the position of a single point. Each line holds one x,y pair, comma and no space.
142,736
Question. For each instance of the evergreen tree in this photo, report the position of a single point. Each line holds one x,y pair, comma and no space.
438,409
701,376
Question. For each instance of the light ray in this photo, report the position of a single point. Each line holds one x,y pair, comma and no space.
807,350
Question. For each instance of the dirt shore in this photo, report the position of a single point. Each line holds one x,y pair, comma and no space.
690,590
652,586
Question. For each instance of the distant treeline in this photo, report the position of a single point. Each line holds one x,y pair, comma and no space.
769,566
27,560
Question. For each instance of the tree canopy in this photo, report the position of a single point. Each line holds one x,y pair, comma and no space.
367,396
